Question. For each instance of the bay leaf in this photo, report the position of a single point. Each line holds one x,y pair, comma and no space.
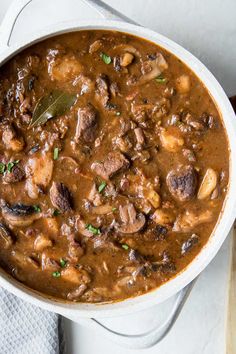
52,105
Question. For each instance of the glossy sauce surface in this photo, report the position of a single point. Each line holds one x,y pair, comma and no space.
114,166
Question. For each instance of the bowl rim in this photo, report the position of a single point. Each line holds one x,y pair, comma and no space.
228,214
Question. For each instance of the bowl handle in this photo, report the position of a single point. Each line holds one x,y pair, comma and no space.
18,6
143,340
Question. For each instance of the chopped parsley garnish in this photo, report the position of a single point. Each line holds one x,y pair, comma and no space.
126,247
56,153
114,209
56,274
93,230
56,212
37,208
101,187
160,79
2,167
11,164
63,262
106,58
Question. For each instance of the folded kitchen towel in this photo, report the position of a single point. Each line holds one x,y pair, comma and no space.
27,329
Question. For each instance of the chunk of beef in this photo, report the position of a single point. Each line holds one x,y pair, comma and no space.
114,163
182,182
75,251
139,137
102,90
17,174
61,197
87,124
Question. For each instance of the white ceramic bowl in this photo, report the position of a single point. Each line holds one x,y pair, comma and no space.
79,310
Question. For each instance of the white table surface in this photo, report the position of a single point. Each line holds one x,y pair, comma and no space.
208,30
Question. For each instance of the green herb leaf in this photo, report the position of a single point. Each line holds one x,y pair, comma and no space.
56,274
106,58
114,209
94,230
50,106
101,187
126,247
11,164
37,208
63,262
56,212
160,79
56,153
2,167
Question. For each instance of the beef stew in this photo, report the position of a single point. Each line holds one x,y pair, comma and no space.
114,166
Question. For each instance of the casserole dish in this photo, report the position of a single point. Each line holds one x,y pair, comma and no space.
223,226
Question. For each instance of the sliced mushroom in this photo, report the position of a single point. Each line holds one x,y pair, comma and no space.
189,220
131,221
170,141
182,182
6,236
60,197
157,66
19,214
39,172
208,184
127,48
